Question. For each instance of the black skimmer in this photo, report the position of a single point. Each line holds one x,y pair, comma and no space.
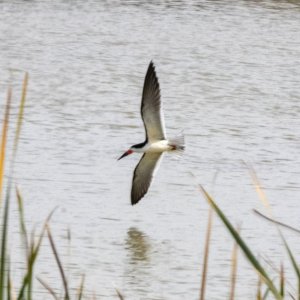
156,142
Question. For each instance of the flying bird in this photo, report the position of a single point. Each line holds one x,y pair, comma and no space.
156,142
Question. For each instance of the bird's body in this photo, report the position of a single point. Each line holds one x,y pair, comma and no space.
156,142
155,147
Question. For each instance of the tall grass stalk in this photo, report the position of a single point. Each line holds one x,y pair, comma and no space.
282,280
4,139
294,263
276,222
22,221
61,270
20,115
234,261
265,201
120,296
206,254
6,206
259,284
48,288
80,290
12,162
32,253
259,190
246,250
31,245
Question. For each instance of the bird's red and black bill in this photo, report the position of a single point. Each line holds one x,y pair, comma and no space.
125,154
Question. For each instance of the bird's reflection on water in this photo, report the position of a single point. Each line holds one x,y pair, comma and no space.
138,246
140,276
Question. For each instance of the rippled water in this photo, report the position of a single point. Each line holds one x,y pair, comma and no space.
229,74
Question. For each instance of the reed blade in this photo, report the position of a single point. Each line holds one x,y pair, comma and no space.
4,139
258,292
206,254
234,261
33,251
6,204
20,115
80,290
246,250
60,267
258,187
11,294
276,222
294,263
10,175
282,280
121,297
266,294
48,288
22,221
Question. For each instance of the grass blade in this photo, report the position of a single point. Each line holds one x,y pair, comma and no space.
20,115
48,288
12,291
266,293
259,190
61,270
233,269
258,293
290,254
206,255
31,259
80,290
293,261
282,280
8,190
6,207
8,284
276,222
4,139
121,297
22,221
292,296
246,250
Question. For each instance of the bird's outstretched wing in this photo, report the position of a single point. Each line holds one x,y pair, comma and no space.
151,108
143,175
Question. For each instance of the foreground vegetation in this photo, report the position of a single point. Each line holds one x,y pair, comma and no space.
31,244
267,288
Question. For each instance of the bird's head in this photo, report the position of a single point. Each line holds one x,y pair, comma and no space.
139,148
129,151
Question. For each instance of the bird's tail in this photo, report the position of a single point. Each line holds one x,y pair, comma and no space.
178,143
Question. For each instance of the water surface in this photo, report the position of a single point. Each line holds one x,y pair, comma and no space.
229,74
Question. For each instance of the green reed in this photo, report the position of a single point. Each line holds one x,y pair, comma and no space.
30,241
277,290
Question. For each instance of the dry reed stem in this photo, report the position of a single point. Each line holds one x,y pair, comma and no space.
121,297
259,285
4,139
276,222
61,270
80,289
233,276
48,288
206,254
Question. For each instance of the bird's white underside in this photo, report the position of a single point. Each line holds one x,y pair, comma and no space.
155,147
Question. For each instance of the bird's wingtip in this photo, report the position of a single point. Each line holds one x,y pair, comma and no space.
134,202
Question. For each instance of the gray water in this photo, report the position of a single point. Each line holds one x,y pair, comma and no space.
229,75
